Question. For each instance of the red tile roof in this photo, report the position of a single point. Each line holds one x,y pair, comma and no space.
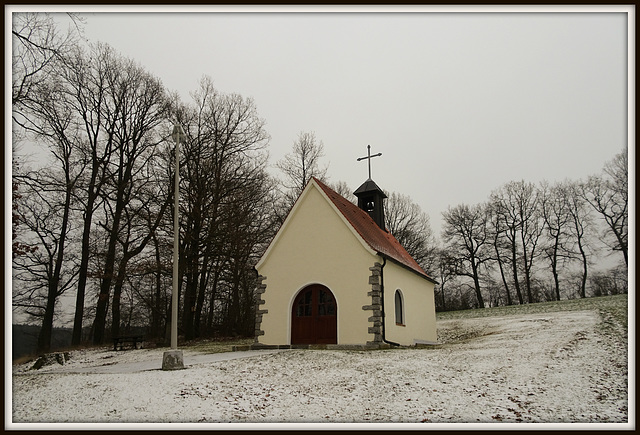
379,240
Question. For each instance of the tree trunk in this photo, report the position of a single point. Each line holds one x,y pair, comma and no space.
201,295
157,311
527,274
117,292
514,265
476,284
188,313
556,281
115,309
93,191
107,278
504,278
623,247
189,300
212,298
44,337
583,284
554,270
84,266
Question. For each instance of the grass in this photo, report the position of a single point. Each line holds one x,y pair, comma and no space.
612,309
617,304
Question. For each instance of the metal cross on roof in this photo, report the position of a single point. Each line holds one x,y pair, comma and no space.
369,157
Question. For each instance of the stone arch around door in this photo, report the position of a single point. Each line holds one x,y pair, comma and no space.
314,316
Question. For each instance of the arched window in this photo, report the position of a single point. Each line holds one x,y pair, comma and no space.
399,308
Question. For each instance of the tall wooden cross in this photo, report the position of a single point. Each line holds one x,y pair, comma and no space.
369,157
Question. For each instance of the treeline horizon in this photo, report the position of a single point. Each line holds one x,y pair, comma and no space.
535,243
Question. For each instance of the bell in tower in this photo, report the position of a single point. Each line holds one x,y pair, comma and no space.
371,199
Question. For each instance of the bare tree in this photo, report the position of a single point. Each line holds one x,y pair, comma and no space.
43,275
412,228
343,189
147,283
225,139
580,222
468,242
36,45
608,195
135,105
446,274
100,109
143,214
84,93
501,235
555,212
39,111
37,48
300,166
247,229
517,213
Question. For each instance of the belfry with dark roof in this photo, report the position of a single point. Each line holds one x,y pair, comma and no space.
371,199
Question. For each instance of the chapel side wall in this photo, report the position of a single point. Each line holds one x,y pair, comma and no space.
419,306
316,247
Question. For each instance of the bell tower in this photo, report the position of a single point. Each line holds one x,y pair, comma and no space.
371,199
370,196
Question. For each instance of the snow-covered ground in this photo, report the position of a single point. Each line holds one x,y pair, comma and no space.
557,367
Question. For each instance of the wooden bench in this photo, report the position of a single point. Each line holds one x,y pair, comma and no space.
134,340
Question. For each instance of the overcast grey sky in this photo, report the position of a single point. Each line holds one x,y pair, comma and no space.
459,103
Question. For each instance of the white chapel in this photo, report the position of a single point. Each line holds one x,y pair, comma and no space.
333,275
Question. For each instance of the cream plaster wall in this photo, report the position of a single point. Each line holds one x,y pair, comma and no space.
419,306
316,246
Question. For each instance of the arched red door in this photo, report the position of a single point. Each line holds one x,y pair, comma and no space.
314,319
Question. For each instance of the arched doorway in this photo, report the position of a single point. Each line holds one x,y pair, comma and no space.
314,317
